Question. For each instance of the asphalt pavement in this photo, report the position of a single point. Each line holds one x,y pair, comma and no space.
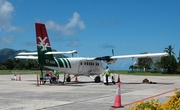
84,94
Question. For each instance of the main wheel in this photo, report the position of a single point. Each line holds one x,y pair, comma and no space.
44,82
68,79
97,79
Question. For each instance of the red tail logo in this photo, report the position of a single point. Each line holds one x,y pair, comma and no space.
41,36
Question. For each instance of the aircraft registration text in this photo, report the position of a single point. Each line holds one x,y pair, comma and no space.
50,62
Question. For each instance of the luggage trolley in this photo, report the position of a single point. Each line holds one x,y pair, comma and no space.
111,78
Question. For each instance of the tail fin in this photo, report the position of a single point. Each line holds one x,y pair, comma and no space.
43,46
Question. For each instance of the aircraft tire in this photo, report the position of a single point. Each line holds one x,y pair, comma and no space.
97,79
68,79
44,82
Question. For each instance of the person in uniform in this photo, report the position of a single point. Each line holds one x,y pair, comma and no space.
107,72
41,77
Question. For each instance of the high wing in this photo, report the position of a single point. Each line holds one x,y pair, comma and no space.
35,53
140,55
112,59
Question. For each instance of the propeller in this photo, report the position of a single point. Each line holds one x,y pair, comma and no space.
112,52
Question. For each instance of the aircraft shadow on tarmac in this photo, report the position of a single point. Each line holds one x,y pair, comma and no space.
81,83
72,83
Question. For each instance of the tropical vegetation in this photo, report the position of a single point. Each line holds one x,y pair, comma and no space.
166,64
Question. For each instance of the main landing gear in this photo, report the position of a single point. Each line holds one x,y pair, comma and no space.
97,79
67,78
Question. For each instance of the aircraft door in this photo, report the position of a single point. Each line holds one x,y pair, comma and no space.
81,66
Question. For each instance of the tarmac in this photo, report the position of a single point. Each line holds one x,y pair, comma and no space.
82,95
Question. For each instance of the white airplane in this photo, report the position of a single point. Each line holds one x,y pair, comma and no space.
75,65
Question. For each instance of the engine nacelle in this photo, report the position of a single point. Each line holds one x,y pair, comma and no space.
110,61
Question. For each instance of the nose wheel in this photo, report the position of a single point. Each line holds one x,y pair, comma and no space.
97,79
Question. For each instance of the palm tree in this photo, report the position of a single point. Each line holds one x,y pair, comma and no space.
169,50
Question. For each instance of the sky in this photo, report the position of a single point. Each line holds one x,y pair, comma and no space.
93,27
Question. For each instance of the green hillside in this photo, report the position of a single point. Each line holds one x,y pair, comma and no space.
8,53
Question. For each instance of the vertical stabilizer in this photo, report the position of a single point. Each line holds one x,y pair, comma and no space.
43,46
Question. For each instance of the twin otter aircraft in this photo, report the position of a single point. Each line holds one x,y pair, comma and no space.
76,65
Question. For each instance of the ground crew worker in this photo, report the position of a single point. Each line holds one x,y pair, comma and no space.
44,78
107,71
41,77
56,74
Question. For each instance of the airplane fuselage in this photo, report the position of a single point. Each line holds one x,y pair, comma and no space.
77,66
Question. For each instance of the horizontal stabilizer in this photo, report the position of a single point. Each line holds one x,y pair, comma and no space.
27,53
35,53
26,57
67,52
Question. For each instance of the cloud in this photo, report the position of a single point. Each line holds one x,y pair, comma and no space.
106,45
73,44
6,40
74,25
6,12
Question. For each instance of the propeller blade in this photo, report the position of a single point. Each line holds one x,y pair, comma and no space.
112,52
